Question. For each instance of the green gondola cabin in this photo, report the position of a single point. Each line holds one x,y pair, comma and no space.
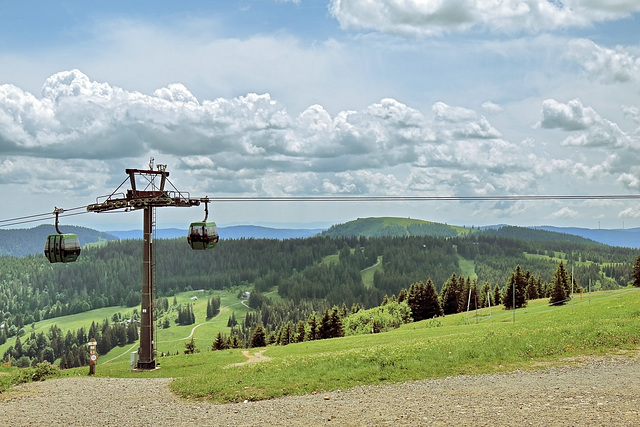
62,248
203,235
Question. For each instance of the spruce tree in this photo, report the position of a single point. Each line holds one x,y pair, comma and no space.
219,343
518,284
423,301
532,289
463,294
484,298
313,327
497,295
258,339
335,322
209,309
636,272
558,286
300,331
449,295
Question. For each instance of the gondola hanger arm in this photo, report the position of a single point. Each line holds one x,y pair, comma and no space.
57,211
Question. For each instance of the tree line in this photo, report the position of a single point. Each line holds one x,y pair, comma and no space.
70,347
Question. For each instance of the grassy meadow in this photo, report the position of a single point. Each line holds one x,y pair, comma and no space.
170,340
483,342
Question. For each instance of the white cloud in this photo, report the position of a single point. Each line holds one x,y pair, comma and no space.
52,176
630,181
605,65
573,116
630,212
463,123
632,112
436,17
491,107
251,144
565,212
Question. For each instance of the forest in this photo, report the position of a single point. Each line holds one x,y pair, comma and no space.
317,276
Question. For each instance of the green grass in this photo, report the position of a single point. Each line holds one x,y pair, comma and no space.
72,322
603,323
204,331
467,267
169,340
367,273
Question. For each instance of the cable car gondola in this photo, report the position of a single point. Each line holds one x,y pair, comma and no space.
203,235
61,247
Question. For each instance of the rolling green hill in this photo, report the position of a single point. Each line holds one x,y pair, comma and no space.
393,227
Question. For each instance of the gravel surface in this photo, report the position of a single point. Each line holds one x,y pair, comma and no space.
600,392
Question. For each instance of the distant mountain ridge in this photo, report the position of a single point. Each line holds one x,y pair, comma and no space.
21,242
231,232
28,241
629,238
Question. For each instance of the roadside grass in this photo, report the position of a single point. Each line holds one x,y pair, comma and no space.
490,341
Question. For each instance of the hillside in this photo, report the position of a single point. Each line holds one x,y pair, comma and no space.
629,238
393,227
529,234
29,241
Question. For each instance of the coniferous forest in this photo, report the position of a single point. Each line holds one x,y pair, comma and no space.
319,280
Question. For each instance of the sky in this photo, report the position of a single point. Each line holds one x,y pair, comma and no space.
267,98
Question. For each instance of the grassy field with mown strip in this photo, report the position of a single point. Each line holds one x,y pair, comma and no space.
483,342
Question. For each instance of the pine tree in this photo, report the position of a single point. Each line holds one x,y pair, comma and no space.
190,347
636,272
313,327
518,283
484,298
219,343
324,330
258,339
558,286
532,289
232,320
449,295
335,322
300,331
463,294
403,295
423,301
497,295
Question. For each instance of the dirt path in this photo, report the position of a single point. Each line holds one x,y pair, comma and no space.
601,392
251,358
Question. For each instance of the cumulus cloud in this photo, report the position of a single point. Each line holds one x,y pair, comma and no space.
630,212
565,212
251,144
436,17
467,123
573,116
51,176
491,107
605,65
632,112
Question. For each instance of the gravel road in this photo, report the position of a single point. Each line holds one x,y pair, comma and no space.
602,391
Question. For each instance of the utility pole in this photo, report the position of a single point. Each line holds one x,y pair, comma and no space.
147,192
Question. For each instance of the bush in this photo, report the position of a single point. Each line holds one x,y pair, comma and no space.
40,372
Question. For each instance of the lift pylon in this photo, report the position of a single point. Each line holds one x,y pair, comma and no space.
148,190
